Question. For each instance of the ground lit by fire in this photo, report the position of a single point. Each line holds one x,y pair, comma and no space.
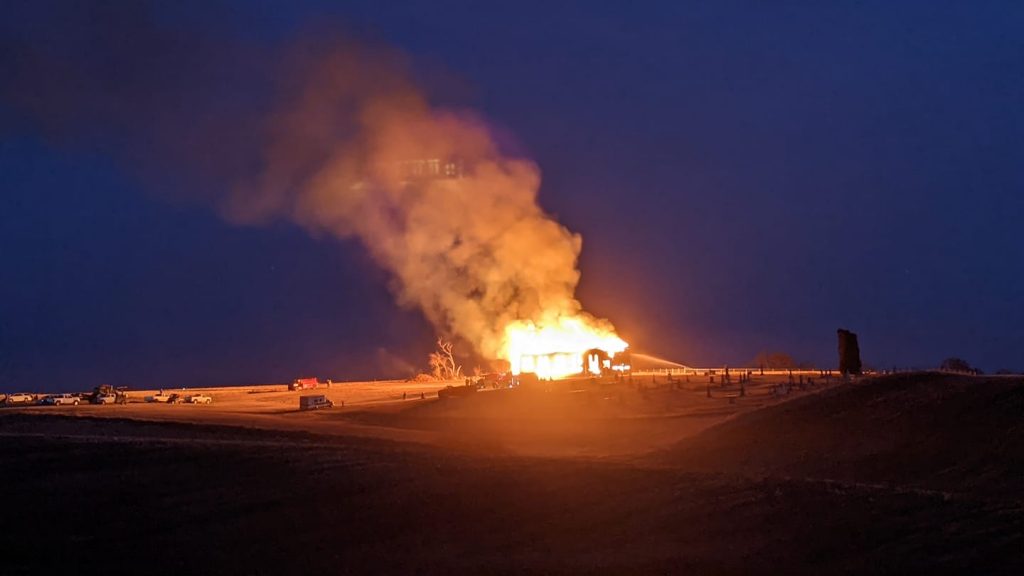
641,476
606,415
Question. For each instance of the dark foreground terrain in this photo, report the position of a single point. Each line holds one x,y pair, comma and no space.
901,474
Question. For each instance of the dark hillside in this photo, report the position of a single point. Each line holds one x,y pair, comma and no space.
929,430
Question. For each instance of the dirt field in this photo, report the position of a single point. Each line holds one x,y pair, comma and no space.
569,418
890,475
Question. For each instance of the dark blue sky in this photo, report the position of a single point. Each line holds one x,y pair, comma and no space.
745,176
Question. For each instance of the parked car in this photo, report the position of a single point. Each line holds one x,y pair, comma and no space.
198,399
20,398
62,400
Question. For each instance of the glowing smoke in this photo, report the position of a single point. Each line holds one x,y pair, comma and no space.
475,252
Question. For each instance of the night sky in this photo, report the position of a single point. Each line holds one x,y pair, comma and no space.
746,177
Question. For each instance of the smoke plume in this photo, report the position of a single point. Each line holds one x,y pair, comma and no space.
357,151
349,146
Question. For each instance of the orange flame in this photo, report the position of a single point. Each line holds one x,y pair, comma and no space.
555,349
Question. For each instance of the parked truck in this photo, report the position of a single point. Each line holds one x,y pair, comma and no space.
107,394
314,402
304,384
162,398
62,400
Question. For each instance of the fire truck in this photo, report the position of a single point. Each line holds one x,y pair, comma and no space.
304,384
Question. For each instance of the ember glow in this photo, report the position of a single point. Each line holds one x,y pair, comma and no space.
562,347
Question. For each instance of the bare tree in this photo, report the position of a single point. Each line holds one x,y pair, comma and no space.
442,362
775,361
958,365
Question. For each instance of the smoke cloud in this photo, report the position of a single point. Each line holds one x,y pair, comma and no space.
350,147
356,151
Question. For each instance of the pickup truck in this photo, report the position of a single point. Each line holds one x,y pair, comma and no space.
199,399
161,398
62,399
105,399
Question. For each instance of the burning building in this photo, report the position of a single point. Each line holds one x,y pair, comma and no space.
567,346
560,364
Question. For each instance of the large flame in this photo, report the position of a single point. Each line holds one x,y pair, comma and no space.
556,348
